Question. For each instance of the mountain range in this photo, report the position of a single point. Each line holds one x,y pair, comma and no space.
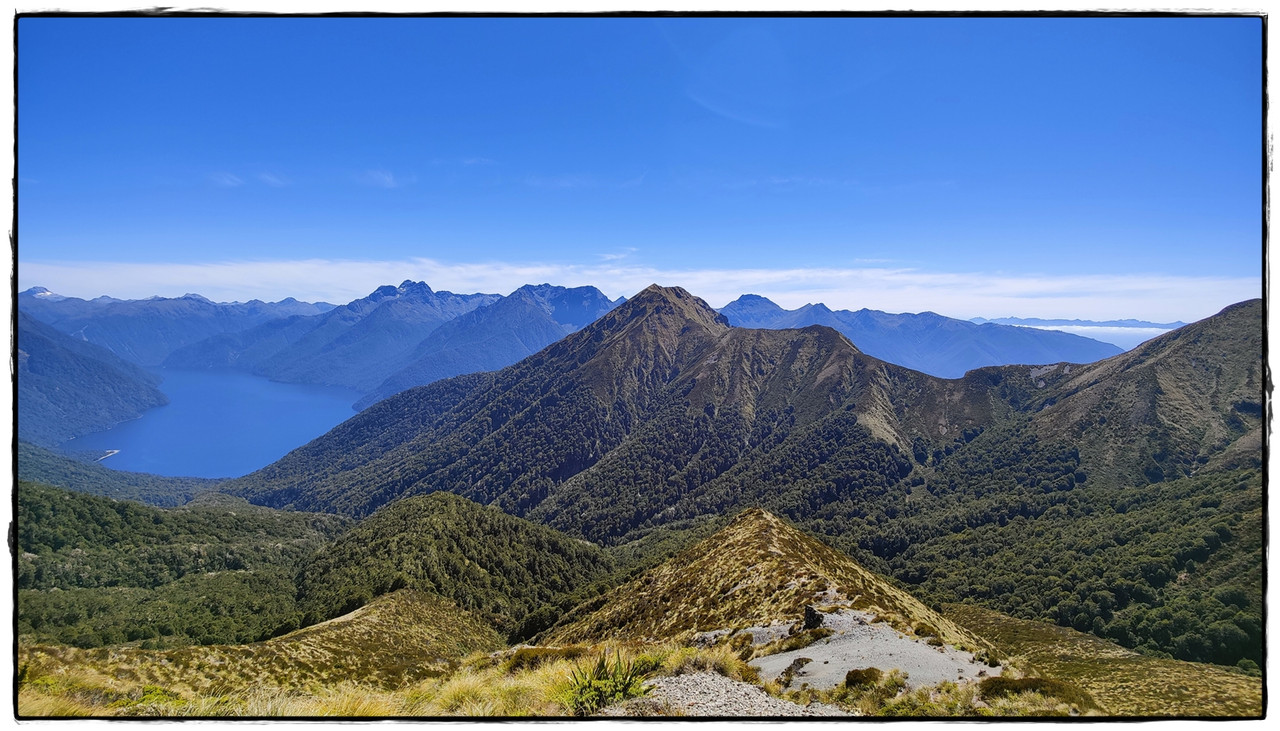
376,345
410,335
1042,322
144,332
926,342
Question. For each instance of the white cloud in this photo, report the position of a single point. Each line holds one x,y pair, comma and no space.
226,180
1156,297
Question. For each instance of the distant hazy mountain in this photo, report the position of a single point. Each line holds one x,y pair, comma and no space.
927,342
67,387
356,345
400,337
1041,322
1126,334
360,344
146,331
496,335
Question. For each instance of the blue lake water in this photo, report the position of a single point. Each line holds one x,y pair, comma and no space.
220,424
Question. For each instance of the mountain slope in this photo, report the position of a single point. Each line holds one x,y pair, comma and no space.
1170,406
927,342
145,332
756,570
1126,683
67,387
496,335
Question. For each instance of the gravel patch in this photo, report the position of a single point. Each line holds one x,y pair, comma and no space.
857,643
759,635
711,694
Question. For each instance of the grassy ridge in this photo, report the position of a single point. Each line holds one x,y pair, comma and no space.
756,570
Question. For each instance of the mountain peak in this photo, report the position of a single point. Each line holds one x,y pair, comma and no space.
656,299
387,291
752,310
43,294
409,286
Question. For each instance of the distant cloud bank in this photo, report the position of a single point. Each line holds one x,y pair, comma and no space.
1155,297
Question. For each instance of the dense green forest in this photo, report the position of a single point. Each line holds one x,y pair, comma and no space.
95,571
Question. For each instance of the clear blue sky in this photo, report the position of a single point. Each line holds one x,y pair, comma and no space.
1033,167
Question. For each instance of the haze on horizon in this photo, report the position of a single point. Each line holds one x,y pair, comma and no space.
1094,168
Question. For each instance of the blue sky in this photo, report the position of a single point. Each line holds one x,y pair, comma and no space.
1042,167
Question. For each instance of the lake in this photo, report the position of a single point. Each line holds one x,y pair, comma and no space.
220,424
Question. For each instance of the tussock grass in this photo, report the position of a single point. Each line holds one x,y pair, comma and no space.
37,703
1120,681
349,700
481,684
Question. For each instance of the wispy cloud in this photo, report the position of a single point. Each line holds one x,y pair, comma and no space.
616,256
1156,297
386,179
478,161
226,180
273,180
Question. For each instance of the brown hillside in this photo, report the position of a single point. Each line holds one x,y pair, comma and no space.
756,570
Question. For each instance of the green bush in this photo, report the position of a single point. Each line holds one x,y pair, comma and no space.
1000,686
603,684
862,677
